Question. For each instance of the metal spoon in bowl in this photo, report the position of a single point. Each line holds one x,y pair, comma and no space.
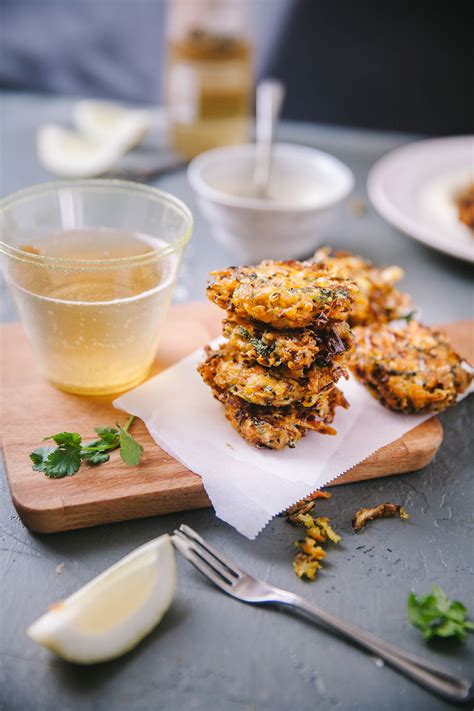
270,95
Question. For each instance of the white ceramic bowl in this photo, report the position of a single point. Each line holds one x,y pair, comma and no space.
306,186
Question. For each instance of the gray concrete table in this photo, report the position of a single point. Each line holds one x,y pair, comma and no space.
211,652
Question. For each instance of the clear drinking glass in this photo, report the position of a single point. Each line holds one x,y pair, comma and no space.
92,266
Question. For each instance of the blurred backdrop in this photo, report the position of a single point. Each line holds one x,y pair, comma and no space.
389,65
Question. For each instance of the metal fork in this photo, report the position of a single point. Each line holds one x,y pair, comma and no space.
235,582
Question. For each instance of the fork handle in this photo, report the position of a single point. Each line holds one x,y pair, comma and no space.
432,676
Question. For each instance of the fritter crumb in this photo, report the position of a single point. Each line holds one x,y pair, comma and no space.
325,528
305,505
307,560
410,369
376,299
305,566
300,509
363,516
308,546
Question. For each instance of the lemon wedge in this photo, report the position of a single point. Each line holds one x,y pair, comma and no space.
70,154
105,132
115,611
104,122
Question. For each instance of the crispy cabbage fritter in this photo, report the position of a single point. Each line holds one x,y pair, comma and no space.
283,294
280,427
297,349
465,203
376,299
270,387
410,369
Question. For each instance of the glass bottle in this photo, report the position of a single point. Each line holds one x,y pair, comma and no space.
208,74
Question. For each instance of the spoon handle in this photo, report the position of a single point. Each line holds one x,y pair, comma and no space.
270,95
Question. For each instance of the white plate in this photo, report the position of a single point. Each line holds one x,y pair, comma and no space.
414,188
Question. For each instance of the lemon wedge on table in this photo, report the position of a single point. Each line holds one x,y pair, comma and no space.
115,611
104,121
70,154
105,132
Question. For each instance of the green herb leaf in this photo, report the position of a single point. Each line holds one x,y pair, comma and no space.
264,350
63,461
109,436
67,457
67,439
106,443
95,457
39,457
131,451
101,431
437,616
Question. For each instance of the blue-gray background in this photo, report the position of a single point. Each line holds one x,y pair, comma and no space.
400,65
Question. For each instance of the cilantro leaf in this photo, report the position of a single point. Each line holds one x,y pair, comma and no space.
104,445
437,616
39,457
66,458
101,431
63,461
409,316
95,457
108,436
130,450
66,439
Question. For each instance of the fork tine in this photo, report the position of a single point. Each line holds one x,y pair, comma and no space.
185,549
190,533
210,560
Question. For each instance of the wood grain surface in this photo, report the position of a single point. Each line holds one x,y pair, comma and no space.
30,408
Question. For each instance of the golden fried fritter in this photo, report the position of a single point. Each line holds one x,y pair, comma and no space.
465,203
377,300
279,427
284,294
224,370
296,349
412,369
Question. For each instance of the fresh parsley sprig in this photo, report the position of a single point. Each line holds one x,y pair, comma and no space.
70,452
437,616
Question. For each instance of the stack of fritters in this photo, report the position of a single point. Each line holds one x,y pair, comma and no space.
288,343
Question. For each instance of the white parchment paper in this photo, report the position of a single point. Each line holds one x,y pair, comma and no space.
248,486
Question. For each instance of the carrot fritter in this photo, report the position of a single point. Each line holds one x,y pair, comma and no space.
465,203
297,349
225,370
411,369
283,294
376,299
280,427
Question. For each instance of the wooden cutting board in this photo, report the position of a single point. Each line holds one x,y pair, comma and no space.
31,408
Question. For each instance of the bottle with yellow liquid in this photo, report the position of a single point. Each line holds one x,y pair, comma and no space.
208,74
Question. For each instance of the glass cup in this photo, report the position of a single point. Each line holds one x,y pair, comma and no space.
92,265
